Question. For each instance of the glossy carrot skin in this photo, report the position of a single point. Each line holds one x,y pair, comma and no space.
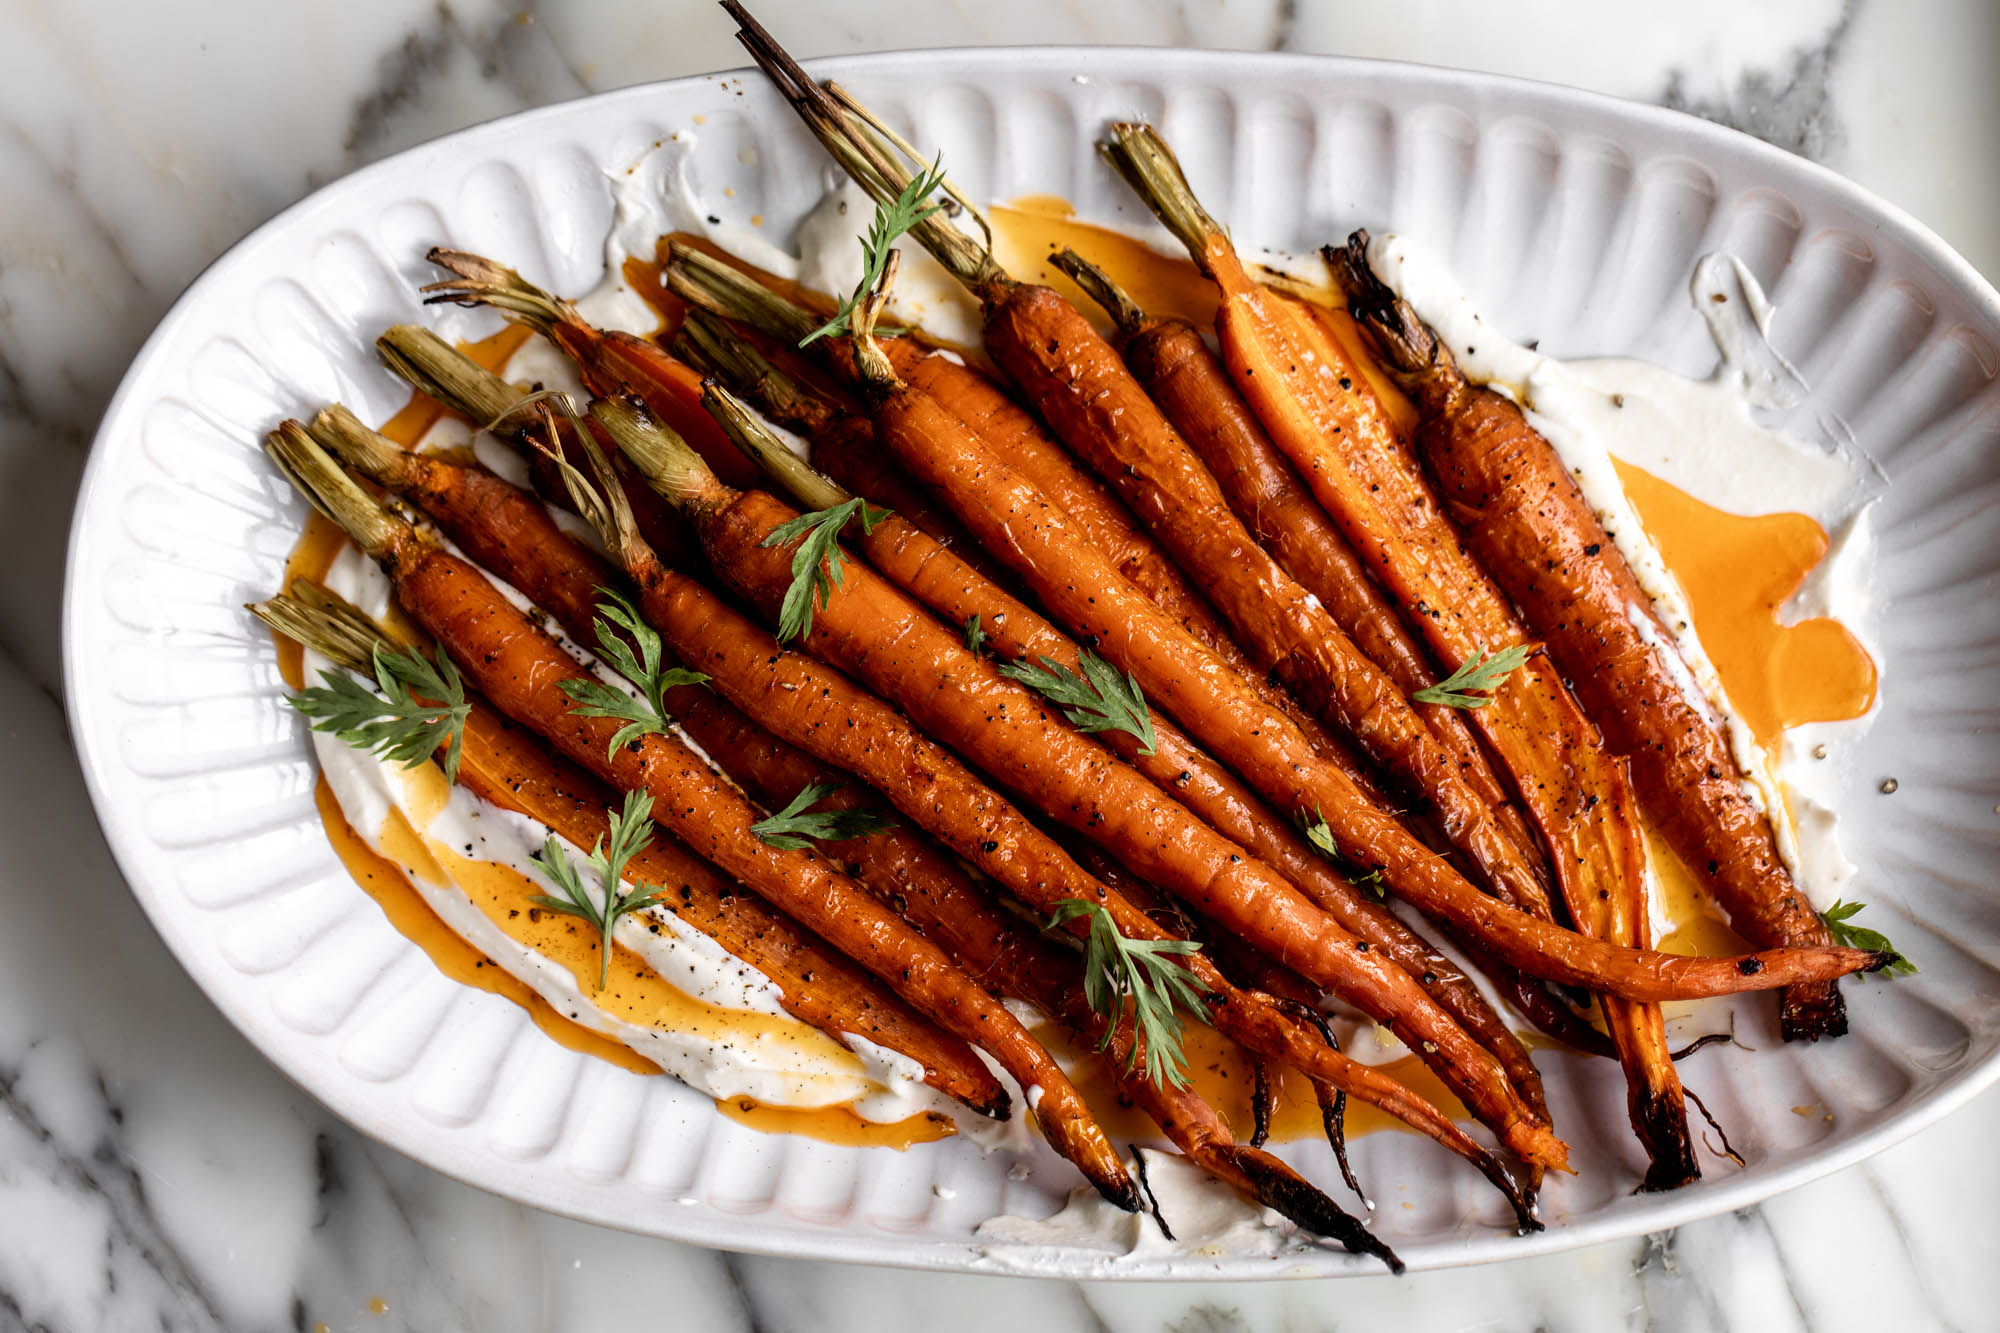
1102,412
1014,631
510,533
823,712
1577,794
1078,586
874,632
1529,524
519,667
1192,387
505,765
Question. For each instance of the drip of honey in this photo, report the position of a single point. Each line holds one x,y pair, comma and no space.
1738,572
838,1124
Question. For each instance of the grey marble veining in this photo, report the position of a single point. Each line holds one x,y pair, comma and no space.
155,1173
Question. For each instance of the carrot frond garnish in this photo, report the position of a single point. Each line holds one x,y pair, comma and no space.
818,563
795,828
1849,936
1472,685
1116,966
634,650
892,219
975,637
1103,698
1320,834
394,723
631,833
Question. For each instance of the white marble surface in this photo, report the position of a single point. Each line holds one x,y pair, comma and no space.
155,1173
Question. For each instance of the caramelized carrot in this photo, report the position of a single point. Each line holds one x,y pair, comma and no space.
1011,433
1173,363
611,361
506,766
1312,398
1015,632
1530,526
518,667
822,711
509,533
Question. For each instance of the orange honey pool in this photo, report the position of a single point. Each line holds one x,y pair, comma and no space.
1737,572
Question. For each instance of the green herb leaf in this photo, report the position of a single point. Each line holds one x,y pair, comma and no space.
794,828
975,637
394,723
1320,834
1472,685
891,221
1115,966
631,833
1837,918
633,649
1101,699
818,563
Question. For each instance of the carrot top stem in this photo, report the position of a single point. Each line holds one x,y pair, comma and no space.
1142,157
337,430
705,281
870,361
481,281
436,368
769,452
711,347
1410,348
1099,287
885,134
843,131
325,622
669,464
328,488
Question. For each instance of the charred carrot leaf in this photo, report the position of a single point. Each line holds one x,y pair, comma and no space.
631,832
795,828
1101,699
1472,685
634,650
818,563
1115,966
892,219
975,637
1837,918
394,723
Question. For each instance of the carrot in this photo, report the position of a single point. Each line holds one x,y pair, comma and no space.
1530,526
821,710
509,533
1310,397
1173,363
518,667
504,765
1015,632
476,395
875,633
612,361
1012,434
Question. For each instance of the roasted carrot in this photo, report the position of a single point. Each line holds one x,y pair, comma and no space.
1311,398
1015,632
1012,434
611,360
1173,363
872,631
518,668
475,394
506,766
1521,512
823,711
510,534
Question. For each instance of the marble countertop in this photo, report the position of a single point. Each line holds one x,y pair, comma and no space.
156,1173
